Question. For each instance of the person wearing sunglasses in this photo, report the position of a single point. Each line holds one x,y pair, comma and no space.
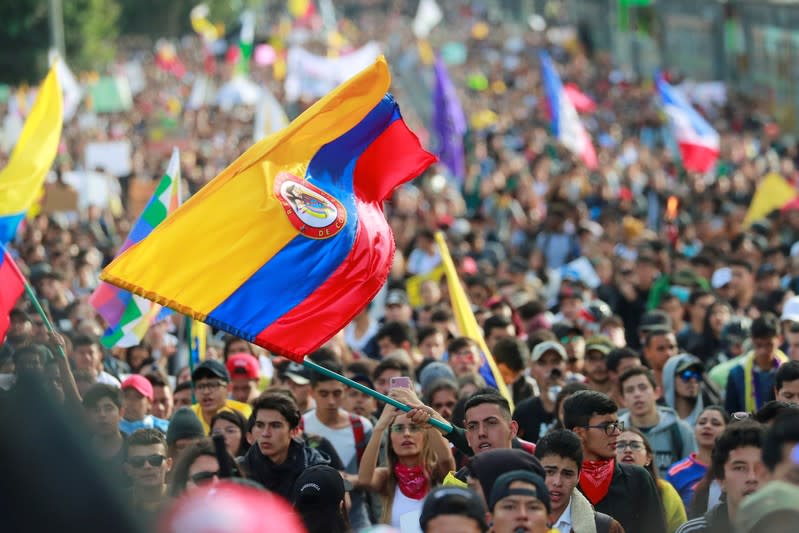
197,466
686,389
625,492
147,466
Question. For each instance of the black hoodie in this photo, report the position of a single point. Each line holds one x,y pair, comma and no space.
280,478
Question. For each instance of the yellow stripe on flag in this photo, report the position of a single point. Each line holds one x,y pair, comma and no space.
237,212
467,323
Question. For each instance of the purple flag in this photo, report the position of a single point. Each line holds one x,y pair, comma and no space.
449,123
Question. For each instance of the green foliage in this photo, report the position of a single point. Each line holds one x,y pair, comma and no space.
89,33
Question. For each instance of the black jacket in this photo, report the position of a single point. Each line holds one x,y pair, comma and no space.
633,499
280,478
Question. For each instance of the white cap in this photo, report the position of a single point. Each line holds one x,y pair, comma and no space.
790,310
549,346
721,277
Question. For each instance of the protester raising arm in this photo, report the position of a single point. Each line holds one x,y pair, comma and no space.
371,476
68,384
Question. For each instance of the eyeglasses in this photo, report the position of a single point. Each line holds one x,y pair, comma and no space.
209,386
609,427
200,478
138,461
400,428
688,375
634,445
741,415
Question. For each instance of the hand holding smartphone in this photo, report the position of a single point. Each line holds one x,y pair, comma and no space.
400,382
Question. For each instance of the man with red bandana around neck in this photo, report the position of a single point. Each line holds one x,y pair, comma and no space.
626,492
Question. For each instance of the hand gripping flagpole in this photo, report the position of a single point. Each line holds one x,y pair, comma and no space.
41,313
34,300
438,424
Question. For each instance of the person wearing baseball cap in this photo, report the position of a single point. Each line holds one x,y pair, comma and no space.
244,373
448,509
298,380
318,496
519,501
211,383
137,397
549,370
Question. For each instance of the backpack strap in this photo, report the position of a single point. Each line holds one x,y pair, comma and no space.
676,440
602,522
360,435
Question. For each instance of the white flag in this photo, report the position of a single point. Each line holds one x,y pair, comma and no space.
70,88
428,15
269,116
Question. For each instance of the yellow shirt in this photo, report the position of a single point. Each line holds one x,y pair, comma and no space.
230,405
673,508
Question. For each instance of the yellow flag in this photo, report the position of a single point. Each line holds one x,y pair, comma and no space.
21,180
413,285
772,193
467,323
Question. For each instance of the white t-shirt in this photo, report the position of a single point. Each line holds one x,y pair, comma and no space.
343,439
405,513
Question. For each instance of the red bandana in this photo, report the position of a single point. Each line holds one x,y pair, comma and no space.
412,481
595,478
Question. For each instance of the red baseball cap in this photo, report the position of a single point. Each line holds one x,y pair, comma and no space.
140,384
243,365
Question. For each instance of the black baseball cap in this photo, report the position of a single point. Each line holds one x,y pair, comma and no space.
319,486
363,379
210,368
451,500
502,487
654,320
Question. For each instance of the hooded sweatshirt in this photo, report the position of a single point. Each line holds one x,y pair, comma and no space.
671,439
708,394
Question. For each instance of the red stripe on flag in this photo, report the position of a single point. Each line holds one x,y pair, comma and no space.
698,158
12,285
395,157
368,264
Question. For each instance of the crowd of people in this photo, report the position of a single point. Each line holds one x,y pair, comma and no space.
647,337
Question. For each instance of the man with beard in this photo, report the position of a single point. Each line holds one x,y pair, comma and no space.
685,388
596,370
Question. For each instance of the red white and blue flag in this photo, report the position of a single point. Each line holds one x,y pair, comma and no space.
566,124
697,140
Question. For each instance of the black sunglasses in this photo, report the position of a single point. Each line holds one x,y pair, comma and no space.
203,477
138,461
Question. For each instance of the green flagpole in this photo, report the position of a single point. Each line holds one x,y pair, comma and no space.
438,424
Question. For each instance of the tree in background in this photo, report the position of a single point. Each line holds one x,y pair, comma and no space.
90,31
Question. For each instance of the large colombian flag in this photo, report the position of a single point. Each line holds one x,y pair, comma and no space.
289,242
